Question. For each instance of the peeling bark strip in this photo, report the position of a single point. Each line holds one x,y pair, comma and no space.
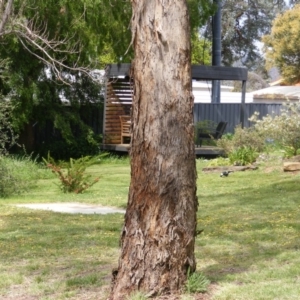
159,231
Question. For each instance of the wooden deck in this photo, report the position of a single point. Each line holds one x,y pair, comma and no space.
209,151
116,147
200,151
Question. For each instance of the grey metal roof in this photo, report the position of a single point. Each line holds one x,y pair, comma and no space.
278,93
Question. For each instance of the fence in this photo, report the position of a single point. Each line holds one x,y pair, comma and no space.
37,135
231,112
215,112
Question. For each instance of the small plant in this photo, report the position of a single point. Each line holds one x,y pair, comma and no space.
243,156
243,137
288,151
72,175
90,279
18,174
219,161
196,283
137,296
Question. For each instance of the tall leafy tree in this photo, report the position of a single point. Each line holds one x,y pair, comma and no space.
282,46
51,46
201,50
291,3
50,49
243,25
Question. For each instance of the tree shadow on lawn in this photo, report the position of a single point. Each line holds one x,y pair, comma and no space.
250,228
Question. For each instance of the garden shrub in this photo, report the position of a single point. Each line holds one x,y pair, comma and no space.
7,136
243,146
72,175
18,174
283,129
243,137
243,156
8,183
85,144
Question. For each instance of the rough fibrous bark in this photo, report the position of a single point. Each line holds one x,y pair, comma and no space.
159,231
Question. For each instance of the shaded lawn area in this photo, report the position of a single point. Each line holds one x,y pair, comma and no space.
249,248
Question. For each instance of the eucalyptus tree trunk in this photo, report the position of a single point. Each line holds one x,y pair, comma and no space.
159,231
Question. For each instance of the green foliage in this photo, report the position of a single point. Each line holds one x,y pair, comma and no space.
252,256
85,144
200,11
83,281
201,51
219,161
282,45
137,296
18,174
243,146
227,136
196,283
98,33
8,182
284,129
243,24
7,136
72,175
205,126
290,151
242,156
32,85
248,138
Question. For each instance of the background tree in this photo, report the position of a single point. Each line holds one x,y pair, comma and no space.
254,83
282,45
7,136
49,48
243,25
201,50
159,231
291,3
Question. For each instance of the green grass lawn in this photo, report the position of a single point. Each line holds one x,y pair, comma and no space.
249,248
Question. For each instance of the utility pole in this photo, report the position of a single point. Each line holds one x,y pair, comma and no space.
216,51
